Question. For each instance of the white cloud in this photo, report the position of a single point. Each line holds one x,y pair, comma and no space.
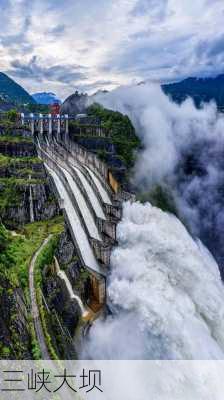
118,42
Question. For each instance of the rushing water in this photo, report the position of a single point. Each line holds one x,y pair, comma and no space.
62,275
165,291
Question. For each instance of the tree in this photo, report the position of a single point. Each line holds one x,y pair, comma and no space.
12,115
122,130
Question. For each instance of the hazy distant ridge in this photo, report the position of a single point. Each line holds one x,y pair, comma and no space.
200,89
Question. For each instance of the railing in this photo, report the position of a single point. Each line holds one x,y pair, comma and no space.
85,130
102,252
88,158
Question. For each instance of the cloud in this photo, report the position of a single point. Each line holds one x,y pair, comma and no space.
183,153
158,9
120,41
17,42
57,31
165,291
93,86
67,74
212,48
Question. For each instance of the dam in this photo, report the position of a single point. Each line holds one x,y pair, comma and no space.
89,197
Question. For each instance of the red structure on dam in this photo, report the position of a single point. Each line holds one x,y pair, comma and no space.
55,108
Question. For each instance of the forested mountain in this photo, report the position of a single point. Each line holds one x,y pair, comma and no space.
200,89
13,92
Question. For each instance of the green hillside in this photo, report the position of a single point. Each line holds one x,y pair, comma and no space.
122,132
12,92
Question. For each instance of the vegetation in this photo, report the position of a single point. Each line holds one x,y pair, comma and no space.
8,161
13,187
10,125
15,139
35,348
19,181
12,191
17,251
6,258
44,259
37,108
14,182
17,248
12,346
82,278
5,352
11,115
122,132
102,155
10,195
7,125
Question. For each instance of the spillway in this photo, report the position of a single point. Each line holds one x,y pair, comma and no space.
89,220
78,231
90,192
102,191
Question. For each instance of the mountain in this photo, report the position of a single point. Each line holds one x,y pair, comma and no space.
46,98
10,91
75,104
200,89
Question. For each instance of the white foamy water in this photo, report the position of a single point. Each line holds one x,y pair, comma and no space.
165,292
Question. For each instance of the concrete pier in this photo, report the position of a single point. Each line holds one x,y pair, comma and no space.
59,124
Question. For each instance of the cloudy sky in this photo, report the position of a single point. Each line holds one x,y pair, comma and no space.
64,45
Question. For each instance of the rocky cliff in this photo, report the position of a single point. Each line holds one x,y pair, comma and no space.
26,196
15,339
75,104
63,308
24,183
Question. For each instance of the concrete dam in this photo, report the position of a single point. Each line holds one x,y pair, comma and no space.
89,197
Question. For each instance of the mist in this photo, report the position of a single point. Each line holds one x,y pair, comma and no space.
165,288
165,292
183,153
